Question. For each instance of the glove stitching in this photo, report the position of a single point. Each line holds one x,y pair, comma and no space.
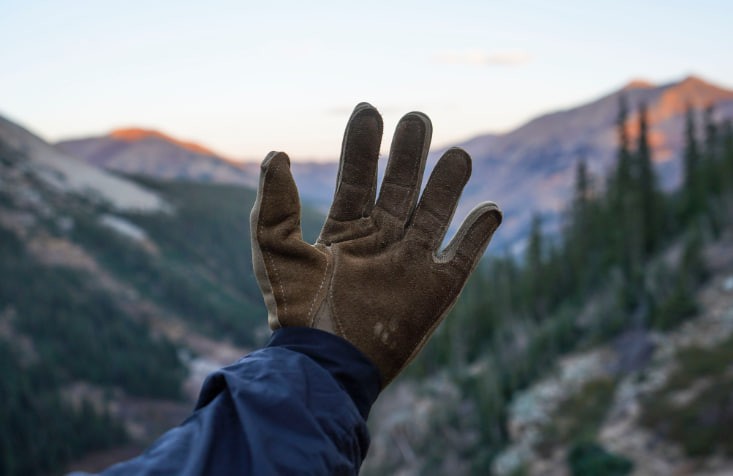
409,188
476,245
389,212
279,283
332,303
268,256
428,233
318,293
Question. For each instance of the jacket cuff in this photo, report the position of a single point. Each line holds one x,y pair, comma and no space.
356,374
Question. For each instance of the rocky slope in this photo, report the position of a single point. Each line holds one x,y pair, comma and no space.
154,154
66,173
635,391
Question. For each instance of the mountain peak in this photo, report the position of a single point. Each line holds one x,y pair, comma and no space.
638,83
693,80
135,134
691,91
694,83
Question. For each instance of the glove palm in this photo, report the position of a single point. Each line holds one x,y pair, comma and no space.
375,276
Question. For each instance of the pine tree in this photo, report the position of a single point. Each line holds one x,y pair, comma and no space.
727,152
583,191
534,269
647,183
713,180
692,187
624,169
581,234
622,199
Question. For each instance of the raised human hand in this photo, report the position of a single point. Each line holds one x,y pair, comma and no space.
376,275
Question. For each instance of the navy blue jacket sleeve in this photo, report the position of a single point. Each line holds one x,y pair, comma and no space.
297,406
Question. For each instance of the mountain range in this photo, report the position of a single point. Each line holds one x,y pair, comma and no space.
122,288
151,153
532,168
527,170
68,174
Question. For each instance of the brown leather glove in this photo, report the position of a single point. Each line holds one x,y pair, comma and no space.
376,276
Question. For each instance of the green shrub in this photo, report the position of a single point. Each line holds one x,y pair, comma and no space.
675,309
701,425
578,417
591,459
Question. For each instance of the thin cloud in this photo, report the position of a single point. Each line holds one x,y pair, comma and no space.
481,57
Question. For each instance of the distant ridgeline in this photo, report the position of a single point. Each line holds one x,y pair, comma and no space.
518,316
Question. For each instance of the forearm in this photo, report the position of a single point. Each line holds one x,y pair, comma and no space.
298,406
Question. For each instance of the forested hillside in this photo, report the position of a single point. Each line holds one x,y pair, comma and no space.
625,272
106,311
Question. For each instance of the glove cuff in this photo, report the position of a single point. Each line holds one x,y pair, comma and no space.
353,370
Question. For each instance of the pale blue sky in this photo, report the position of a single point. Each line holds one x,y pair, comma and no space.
247,77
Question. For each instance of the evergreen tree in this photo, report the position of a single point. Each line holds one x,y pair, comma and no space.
535,269
583,192
693,201
727,152
624,170
647,184
713,180
623,200
581,233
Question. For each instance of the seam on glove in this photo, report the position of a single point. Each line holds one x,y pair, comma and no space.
268,255
312,315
